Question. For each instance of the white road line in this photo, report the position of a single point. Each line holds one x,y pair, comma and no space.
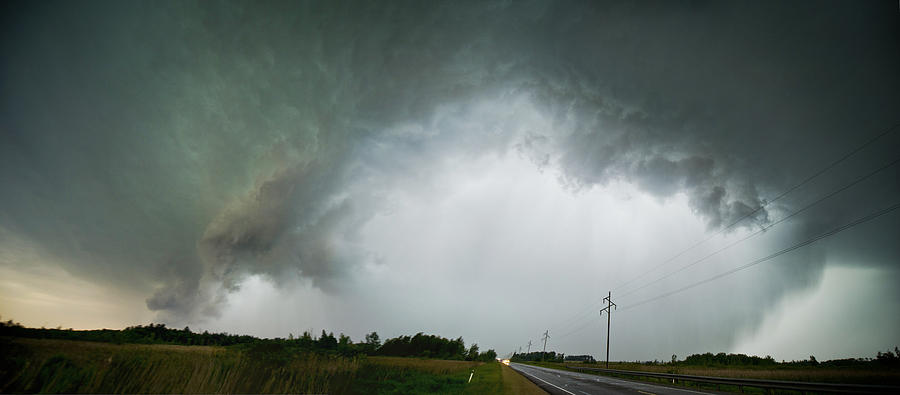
693,392
619,382
585,393
560,388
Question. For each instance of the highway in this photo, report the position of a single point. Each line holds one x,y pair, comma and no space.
559,382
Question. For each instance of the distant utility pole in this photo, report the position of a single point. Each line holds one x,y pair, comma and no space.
546,336
529,346
610,303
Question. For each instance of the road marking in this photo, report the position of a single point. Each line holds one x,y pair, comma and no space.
693,392
560,388
611,381
585,393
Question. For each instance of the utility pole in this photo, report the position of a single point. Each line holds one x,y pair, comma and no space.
546,336
529,346
608,311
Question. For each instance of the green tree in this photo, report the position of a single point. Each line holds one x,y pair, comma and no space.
473,353
373,340
488,356
345,345
327,341
306,340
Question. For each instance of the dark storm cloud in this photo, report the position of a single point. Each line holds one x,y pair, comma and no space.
179,147
732,104
718,98
145,142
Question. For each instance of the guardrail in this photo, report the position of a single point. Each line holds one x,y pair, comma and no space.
756,383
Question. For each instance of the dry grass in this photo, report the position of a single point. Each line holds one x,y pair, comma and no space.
66,366
87,367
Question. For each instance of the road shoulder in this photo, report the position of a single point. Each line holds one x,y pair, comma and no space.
516,383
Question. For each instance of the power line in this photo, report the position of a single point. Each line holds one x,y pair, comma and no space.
804,243
763,230
766,203
578,317
856,181
573,321
576,330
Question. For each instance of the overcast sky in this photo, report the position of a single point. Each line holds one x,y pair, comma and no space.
480,169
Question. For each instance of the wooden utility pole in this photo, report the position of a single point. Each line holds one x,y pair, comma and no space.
608,311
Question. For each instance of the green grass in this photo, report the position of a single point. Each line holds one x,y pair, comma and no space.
515,383
486,380
67,366
396,375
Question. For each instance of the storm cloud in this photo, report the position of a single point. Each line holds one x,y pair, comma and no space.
182,148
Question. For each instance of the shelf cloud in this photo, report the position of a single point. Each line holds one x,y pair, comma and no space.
180,148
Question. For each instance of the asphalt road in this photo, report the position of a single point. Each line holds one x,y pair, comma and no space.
560,382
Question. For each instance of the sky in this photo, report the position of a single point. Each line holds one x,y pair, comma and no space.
491,170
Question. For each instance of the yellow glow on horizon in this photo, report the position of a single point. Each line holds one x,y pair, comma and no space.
46,295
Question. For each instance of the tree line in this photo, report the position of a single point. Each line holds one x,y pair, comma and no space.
419,345
538,356
883,359
722,359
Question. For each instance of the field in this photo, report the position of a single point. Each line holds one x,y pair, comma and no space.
67,366
789,373
854,375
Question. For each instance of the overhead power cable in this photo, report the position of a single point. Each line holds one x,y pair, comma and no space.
576,330
763,230
591,306
766,203
804,243
575,319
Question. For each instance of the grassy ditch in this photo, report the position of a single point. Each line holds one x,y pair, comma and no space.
398,375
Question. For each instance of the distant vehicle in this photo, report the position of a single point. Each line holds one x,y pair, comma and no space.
505,361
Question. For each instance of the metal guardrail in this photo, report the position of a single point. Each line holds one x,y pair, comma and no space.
756,383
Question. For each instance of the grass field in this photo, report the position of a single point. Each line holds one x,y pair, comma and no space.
67,366
788,373
64,366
